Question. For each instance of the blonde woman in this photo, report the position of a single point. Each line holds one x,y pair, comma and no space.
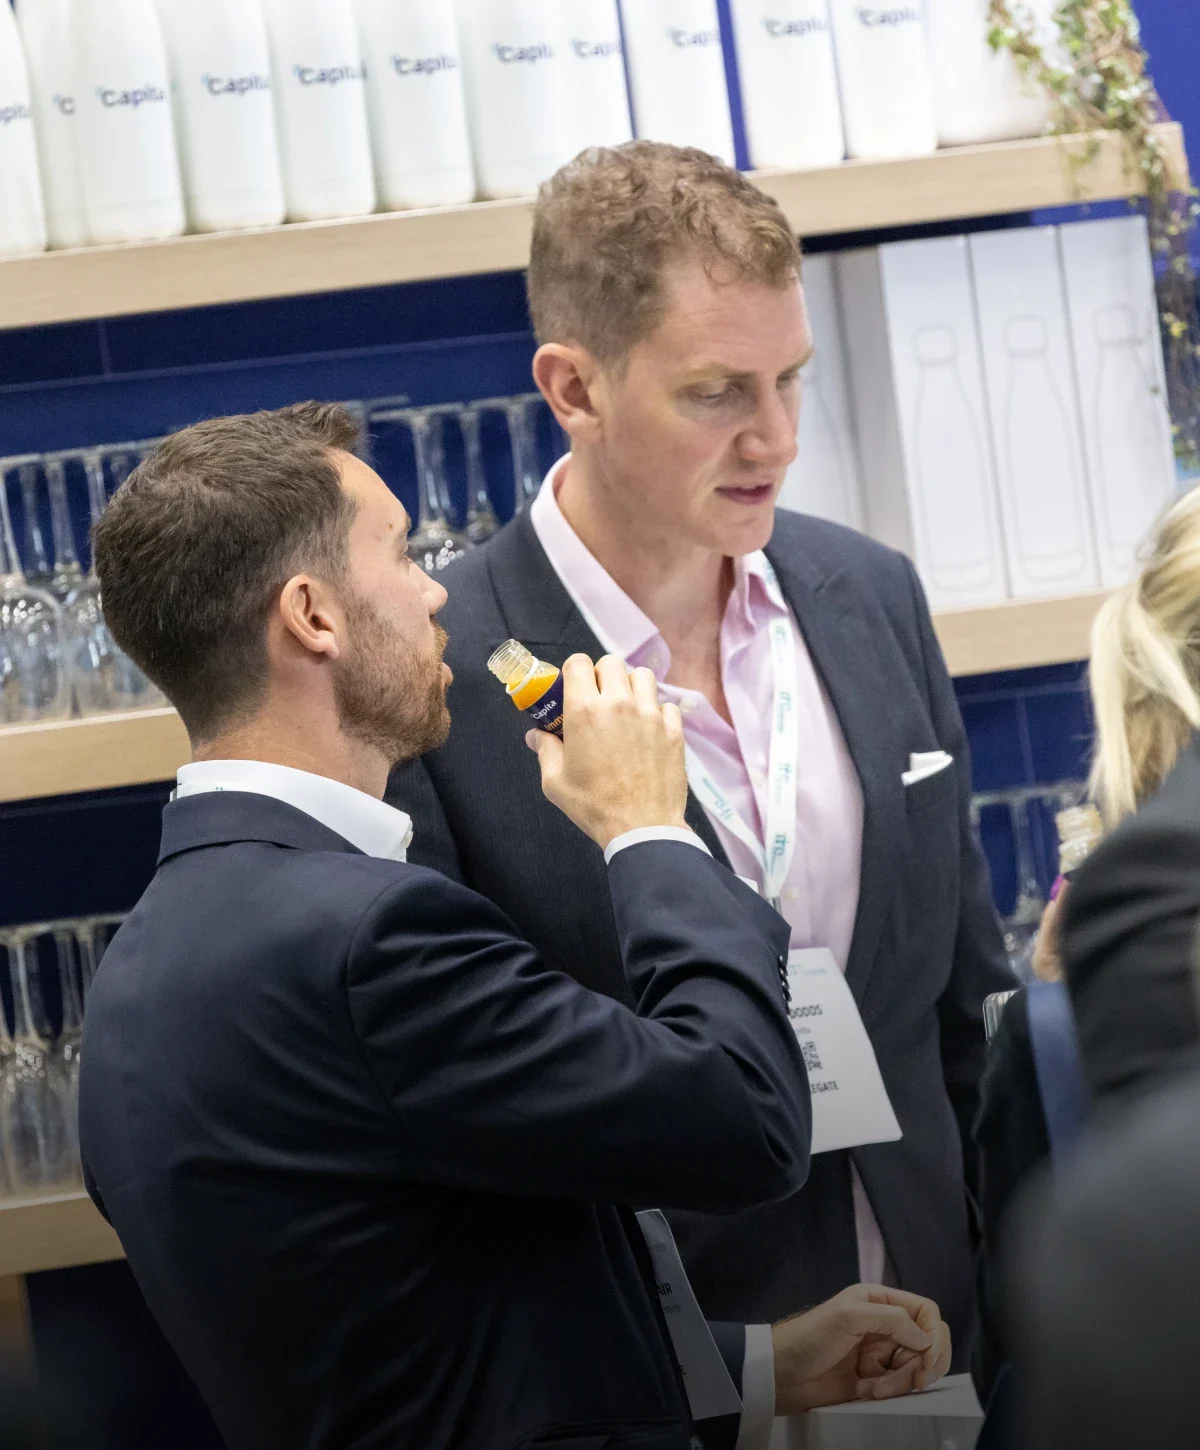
1122,934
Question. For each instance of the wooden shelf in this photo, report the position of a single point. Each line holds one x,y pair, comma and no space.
371,251
118,750
60,1232
99,753
1021,635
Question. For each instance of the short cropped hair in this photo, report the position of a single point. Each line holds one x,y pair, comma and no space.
198,541
607,224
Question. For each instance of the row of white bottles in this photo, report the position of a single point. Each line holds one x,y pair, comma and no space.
822,79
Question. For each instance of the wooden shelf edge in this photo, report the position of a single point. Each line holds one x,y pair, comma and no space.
57,1232
102,752
333,256
1019,635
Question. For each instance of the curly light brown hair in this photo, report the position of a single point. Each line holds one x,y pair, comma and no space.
609,222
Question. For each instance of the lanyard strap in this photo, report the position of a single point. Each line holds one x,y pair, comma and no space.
773,854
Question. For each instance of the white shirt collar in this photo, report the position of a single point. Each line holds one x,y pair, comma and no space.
372,825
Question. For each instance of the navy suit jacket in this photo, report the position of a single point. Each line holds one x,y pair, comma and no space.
362,1148
926,949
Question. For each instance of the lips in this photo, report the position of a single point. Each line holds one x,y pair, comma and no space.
749,496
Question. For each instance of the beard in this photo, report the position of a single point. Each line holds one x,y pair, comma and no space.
389,696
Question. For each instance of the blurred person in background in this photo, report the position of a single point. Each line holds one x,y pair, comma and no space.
666,294
1122,932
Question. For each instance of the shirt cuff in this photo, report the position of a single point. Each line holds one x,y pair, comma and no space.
654,833
758,1389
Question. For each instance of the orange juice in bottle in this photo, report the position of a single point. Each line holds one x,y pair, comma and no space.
533,686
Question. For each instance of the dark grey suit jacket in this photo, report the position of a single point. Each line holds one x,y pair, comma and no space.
926,948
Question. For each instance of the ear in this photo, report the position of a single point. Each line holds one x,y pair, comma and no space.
311,616
569,379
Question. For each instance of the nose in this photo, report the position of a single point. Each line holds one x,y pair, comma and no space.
435,594
771,436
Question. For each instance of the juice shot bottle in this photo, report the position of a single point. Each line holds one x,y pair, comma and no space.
533,686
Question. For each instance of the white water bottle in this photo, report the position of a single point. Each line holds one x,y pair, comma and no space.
224,114
789,83
677,74
886,83
22,218
979,92
415,103
597,94
128,167
516,95
318,79
43,25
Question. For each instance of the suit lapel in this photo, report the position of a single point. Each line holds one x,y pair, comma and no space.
845,654
539,612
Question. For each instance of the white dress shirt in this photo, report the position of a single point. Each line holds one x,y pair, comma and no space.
378,829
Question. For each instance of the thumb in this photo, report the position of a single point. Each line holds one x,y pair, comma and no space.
549,751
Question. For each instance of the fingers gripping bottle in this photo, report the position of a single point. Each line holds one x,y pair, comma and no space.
533,686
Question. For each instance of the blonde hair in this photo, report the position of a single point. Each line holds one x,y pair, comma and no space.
1145,667
609,222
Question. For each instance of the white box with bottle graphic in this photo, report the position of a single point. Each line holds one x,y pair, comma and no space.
1033,402
1109,279
924,437
824,479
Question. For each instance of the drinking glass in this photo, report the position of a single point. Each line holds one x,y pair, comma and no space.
105,677
433,543
482,522
68,1045
35,681
520,414
36,562
92,936
33,1090
1022,923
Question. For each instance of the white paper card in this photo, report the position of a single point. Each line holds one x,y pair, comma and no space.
849,1101
710,1390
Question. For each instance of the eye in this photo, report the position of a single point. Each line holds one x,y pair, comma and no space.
711,397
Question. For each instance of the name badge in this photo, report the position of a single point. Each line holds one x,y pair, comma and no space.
850,1104
710,1390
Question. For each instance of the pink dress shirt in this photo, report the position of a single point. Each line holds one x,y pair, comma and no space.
820,895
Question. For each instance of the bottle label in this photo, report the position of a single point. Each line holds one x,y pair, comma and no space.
333,75
547,712
794,29
65,105
234,86
18,111
405,65
142,96
596,49
685,38
901,15
522,54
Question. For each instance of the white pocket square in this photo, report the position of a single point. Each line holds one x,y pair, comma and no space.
922,766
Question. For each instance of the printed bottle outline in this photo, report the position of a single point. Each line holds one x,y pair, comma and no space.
959,540
1045,489
1132,437
825,480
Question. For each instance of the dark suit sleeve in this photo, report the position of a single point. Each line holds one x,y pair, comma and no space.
1127,945
505,1077
410,789
1012,1145
980,964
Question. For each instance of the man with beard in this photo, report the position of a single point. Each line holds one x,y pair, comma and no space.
361,1146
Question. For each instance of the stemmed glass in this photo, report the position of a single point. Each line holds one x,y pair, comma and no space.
482,522
69,1043
433,543
519,414
35,681
37,564
33,1090
1022,923
105,677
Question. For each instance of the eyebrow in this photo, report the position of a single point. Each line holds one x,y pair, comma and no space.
733,375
